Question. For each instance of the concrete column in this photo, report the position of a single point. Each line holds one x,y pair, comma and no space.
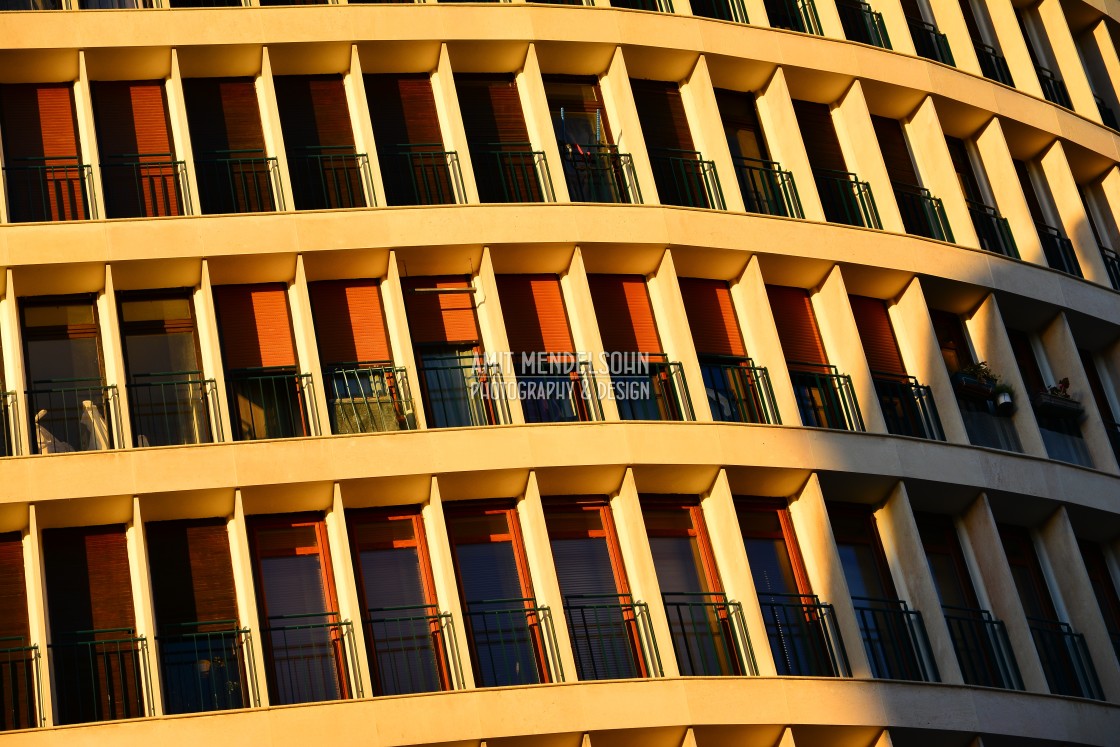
4,217
38,615
451,121
363,128
542,569
1104,61
87,137
618,100
897,28
950,21
708,136
734,567
1109,204
244,589
676,338
346,591
1077,596
989,337
633,541
906,558
585,328
14,376
211,350
862,154
396,322
756,319
1005,187
1071,210
783,139
935,165
307,352
145,617
921,353
492,325
112,352
1013,46
181,136
273,133
1067,58
538,120
443,577
844,348
830,19
983,538
756,12
825,570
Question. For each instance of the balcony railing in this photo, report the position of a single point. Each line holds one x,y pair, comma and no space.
238,181
804,636
895,640
49,189
207,666
174,408
512,172
513,642
658,6
1053,88
1108,117
767,189
825,397
684,178
310,657
145,185
1065,659
1111,266
993,65
982,648
412,650
795,15
599,173
270,403
721,10
738,390
992,229
612,637
206,3
709,636
21,688
100,675
462,390
421,174
9,424
922,213
986,428
1058,250
862,24
31,5
908,407
846,199
558,388
368,398
929,42
329,176
652,389
73,415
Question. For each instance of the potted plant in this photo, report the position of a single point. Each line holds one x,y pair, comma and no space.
975,380
1056,402
1004,400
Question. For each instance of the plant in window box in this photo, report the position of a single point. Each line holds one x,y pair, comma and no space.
1004,398
975,381
1056,402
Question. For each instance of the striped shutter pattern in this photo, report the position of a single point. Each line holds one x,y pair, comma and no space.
313,110
223,114
349,321
403,112
255,328
440,318
661,114
88,582
711,317
533,308
797,325
624,312
18,709
192,573
896,156
13,587
875,332
491,109
819,134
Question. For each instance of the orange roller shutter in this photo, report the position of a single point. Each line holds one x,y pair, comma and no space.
435,318
533,308
191,572
255,328
313,110
661,114
711,317
349,321
87,577
625,314
877,335
13,587
797,326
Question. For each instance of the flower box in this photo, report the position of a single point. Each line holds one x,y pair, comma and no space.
972,387
1056,406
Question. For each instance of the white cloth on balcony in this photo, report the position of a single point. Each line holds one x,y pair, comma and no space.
95,431
45,440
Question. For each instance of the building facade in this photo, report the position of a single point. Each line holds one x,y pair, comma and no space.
664,373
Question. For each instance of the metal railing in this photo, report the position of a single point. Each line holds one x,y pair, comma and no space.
652,390
599,173
513,642
1053,88
311,658
368,398
512,172
992,229
422,174
73,415
1065,659
462,390
983,648
804,636
1058,250
100,675
766,188
21,685
795,15
908,407
684,178
1108,117
894,637
922,213
328,177
993,65
145,185
708,634
270,403
658,6
206,666
238,181
112,4
825,397
846,199
612,637
985,428
929,42
9,424
49,189
1111,266
721,10
738,390
412,649
862,24
558,388
205,3
173,408
31,5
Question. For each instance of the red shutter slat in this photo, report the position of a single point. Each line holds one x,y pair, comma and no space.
624,312
661,114
440,317
491,109
797,326
896,156
88,582
403,109
875,332
255,328
533,308
711,317
819,134
223,114
13,587
192,572
349,321
313,110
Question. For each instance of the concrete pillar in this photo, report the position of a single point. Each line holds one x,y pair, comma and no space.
538,120
1108,190
830,19
396,322
492,327
1067,58
950,21
145,617
783,139
181,136
935,165
12,346
585,328
704,121
862,155
210,348
1071,211
1008,194
756,12
1104,62
307,352
244,590
273,133
112,352
451,121
87,137
618,100
346,591
897,28
443,578
38,615
363,128
1013,46
676,337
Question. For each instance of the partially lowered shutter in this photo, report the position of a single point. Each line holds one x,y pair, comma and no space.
223,114
313,111
661,113
349,321
13,588
533,308
877,335
192,573
711,317
440,318
255,328
819,135
896,156
88,582
796,324
624,312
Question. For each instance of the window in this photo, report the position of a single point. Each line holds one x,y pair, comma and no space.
18,663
